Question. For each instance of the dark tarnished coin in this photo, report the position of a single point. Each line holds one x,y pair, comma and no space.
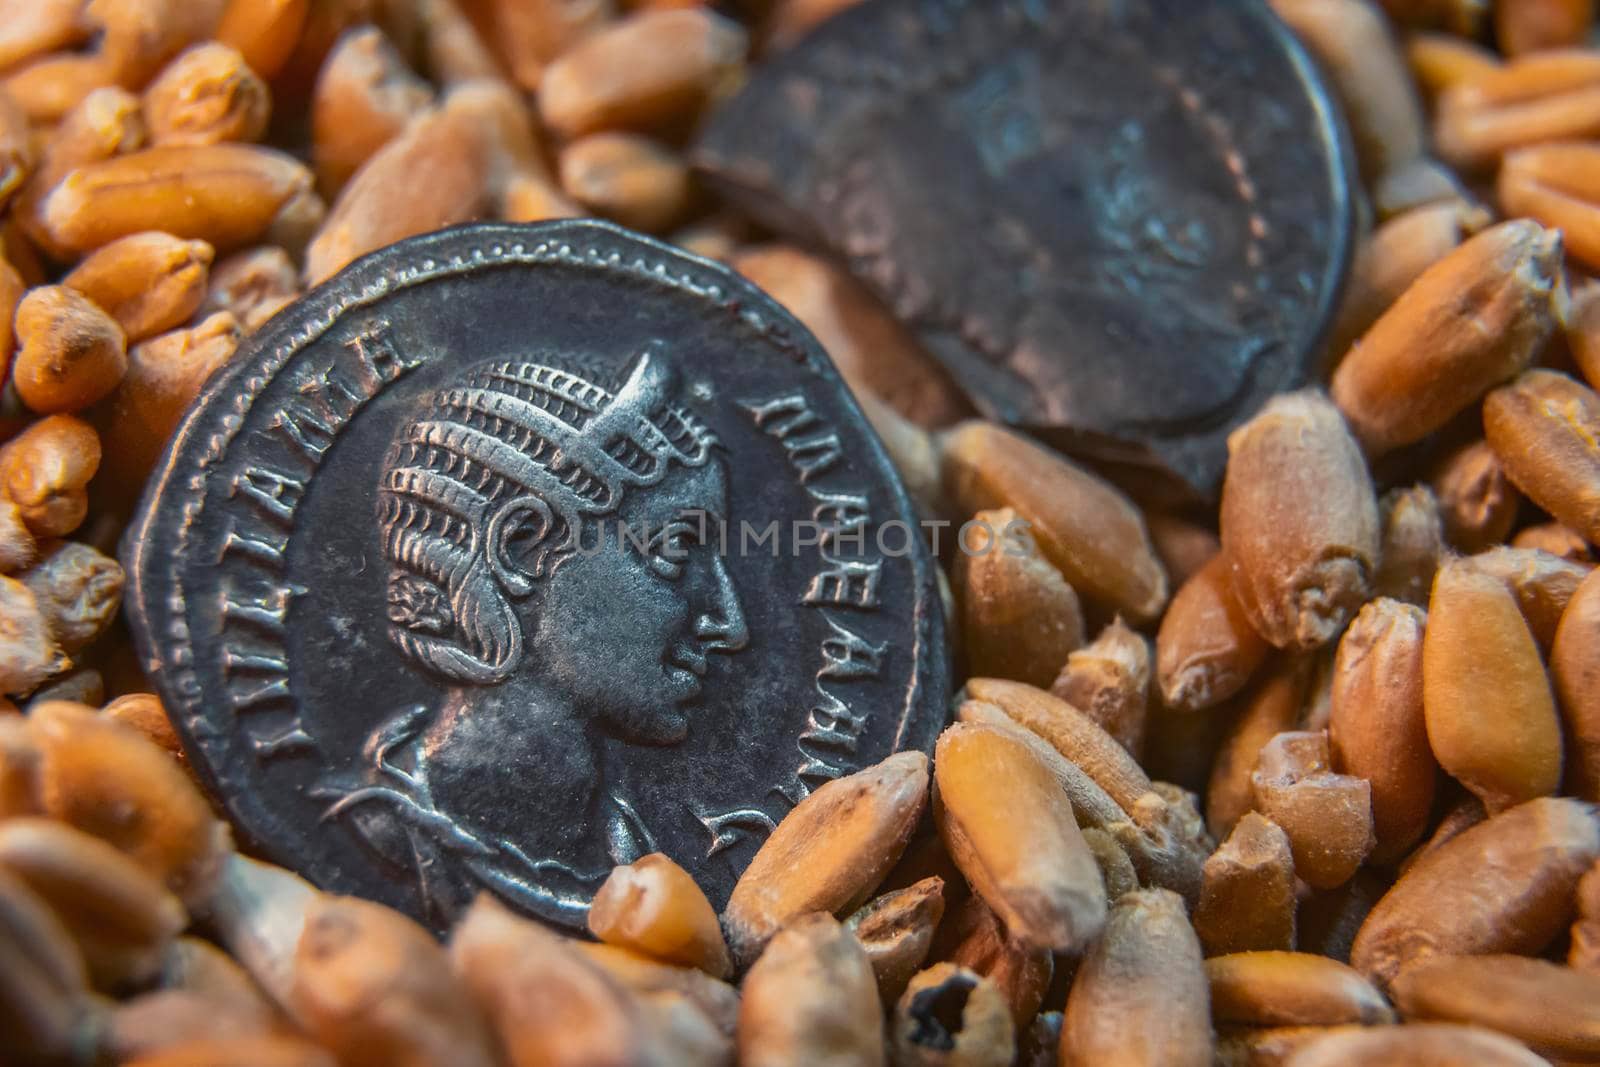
1123,222
516,552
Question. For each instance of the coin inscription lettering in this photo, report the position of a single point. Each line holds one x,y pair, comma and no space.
445,578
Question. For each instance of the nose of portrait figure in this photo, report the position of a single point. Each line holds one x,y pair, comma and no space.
722,627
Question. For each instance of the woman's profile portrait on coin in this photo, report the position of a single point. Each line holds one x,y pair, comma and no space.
531,511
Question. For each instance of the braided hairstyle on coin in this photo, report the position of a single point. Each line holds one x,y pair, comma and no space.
487,490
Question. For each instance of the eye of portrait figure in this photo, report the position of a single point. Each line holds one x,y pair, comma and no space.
547,534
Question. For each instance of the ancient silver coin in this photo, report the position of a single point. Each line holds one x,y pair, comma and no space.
516,552
1123,224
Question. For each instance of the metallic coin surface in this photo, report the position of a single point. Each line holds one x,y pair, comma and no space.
1124,223
515,552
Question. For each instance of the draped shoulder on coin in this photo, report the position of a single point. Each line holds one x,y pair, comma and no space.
516,552
1121,223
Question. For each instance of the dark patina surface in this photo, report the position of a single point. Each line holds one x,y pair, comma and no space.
1123,223
383,584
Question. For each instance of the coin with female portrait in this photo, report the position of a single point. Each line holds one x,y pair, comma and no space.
515,553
